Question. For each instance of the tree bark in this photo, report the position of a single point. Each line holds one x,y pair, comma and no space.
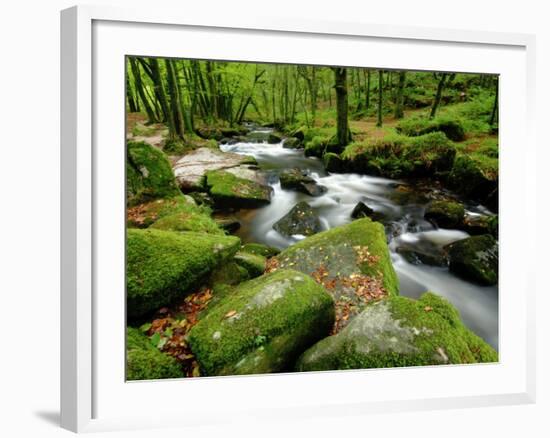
438,95
141,92
380,96
176,107
398,114
340,85
494,112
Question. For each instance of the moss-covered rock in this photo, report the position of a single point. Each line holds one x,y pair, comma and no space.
146,362
333,162
300,220
475,259
475,176
230,191
162,265
260,249
315,147
476,225
445,214
148,174
190,170
254,264
400,156
357,248
452,128
188,221
144,215
293,143
230,274
263,325
397,332
274,138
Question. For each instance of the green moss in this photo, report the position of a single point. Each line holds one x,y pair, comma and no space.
259,249
446,214
144,215
341,250
475,258
228,190
315,147
161,265
148,174
229,274
188,221
397,332
263,325
145,362
333,162
398,156
140,130
474,175
415,126
253,263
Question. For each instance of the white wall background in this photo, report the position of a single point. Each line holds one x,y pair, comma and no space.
29,215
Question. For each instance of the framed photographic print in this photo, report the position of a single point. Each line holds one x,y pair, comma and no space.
253,209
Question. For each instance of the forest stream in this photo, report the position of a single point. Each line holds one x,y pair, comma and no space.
400,204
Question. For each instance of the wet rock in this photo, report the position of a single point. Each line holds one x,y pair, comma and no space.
230,224
190,170
361,210
477,225
208,133
301,220
400,332
202,198
257,136
475,259
333,163
423,252
263,325
477,179
445,214
232,192
274,138
295,179
163,265
293,143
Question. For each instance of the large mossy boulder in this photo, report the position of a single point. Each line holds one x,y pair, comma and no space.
476,177
148,174
397,332
445,214
145,362
296,179
190,170
333,163
263,325
188,221
475,259
146,214
260,249
162,265
293,143
356,248
416,126
400,156
351,261
230,191
254,264
300,220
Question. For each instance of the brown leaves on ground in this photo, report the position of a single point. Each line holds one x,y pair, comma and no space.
361,289
168,331
363,255
271,265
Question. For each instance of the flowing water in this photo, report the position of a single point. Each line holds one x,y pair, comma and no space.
403,207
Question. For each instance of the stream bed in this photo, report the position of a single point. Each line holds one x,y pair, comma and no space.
402,206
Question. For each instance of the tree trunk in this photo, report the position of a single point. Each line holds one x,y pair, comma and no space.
159,91
438,95
132,103
141,92
340,85
367,102
399,96
175,100
494,112
380,96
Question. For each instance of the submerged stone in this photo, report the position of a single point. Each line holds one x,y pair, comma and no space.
445,214
301,220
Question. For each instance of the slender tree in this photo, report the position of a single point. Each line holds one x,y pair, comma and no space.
341,87
398,113
380,96
367,100
141,91
494,112
176,107
440,85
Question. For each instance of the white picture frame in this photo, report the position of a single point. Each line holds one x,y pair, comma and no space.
92,40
